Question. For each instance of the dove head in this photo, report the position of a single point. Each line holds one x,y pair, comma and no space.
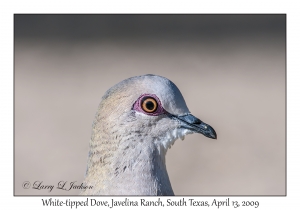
148,109
137,120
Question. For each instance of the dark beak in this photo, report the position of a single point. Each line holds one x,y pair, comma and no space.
192,123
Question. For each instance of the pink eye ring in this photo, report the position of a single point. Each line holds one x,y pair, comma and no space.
149,104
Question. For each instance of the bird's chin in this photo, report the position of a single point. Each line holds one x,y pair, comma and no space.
170,137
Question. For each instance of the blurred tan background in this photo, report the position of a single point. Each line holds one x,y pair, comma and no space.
229,68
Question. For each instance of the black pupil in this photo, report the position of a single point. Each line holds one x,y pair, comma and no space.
150,105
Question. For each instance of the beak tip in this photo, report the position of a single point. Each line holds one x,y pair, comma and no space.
192,123
213,133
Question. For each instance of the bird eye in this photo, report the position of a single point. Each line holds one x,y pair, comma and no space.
149,104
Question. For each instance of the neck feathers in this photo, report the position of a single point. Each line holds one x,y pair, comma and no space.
126,167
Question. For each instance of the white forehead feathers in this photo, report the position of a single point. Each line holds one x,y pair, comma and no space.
168,93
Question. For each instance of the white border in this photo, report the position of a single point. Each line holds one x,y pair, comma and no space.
8,8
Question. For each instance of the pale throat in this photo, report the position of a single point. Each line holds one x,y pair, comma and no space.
166,141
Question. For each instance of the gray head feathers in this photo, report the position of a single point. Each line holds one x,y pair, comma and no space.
137,120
